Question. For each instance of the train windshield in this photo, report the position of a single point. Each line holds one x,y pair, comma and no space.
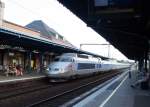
56,59
64,59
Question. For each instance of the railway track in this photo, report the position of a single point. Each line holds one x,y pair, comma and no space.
16,85
20,91
52,94
63,97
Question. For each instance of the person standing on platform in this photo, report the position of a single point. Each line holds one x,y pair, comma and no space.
144,82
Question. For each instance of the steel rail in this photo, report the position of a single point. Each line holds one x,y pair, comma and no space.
25,92
72,90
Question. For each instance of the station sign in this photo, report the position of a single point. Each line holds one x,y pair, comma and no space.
104,7
118,3
101,3
11,54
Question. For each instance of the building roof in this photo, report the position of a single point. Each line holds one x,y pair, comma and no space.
15,27
39,25
48,32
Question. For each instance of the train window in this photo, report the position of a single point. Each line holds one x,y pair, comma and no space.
86,66
82,56
65,60
99,65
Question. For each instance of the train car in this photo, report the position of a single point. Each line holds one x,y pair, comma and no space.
73,65
110,64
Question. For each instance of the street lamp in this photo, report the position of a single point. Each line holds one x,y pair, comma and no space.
98,44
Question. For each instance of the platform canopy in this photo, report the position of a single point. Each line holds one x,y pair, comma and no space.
14,40
124,23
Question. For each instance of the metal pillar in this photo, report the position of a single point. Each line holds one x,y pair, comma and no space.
149,56
146,57
149,64
145,61
41,62
145,66
140,64
28,62
108,50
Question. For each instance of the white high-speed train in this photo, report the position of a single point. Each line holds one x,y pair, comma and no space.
73,65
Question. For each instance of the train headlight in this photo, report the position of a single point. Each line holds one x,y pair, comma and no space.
48,69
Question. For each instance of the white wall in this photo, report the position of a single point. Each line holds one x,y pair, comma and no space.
1,12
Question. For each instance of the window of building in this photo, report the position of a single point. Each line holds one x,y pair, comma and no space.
60,37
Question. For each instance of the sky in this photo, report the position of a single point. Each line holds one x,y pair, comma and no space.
58,17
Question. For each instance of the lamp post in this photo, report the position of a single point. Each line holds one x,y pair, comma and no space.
98,44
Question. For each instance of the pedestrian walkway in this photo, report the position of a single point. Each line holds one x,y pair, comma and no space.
118,94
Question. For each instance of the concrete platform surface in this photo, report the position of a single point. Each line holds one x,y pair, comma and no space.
118,94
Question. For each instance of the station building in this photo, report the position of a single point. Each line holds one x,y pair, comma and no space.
14,53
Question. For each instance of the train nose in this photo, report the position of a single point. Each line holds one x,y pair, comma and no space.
55,70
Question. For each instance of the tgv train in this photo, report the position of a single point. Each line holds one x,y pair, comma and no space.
73,65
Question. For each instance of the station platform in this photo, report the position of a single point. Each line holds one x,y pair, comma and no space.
118,93
31,76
